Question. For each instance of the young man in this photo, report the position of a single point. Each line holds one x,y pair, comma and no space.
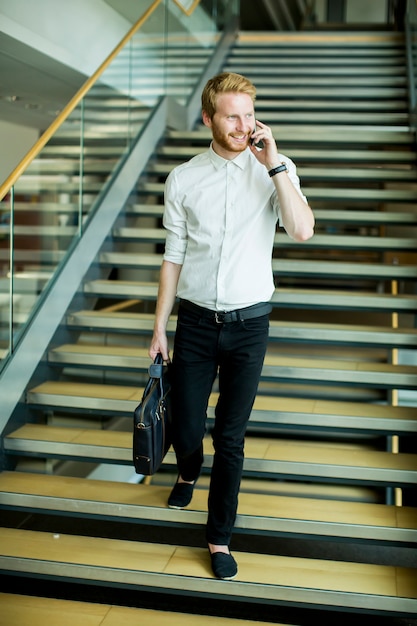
221,210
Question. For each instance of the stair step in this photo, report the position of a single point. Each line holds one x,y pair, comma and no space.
314,269
369,218
355,86
336,174
51,207
60,149
307,105
337,194
360,195
288,267
72,166
278,330
317,155
281,515
354,119
292,53
306,135
55,231
358,217
275,367
288,45
343,43
34,258
261,578
317,66
21,610
282,297
274,411
281,240
299,460
33,184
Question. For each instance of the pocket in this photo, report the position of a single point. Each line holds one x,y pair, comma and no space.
187,317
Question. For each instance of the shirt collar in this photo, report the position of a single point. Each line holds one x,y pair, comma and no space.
240,160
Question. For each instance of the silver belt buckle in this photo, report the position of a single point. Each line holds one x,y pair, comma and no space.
217,318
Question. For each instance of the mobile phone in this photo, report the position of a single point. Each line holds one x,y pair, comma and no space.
259,144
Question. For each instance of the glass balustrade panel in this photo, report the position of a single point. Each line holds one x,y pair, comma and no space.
45,212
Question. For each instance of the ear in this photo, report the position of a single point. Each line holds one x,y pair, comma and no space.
206,119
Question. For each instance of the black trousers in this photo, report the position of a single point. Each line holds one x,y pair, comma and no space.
236,351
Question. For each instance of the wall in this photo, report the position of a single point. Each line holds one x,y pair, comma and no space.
79,33
357,11
372,11
18,139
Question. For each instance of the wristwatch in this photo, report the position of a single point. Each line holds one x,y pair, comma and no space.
278,169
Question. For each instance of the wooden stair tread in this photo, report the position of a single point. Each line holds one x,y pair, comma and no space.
291,66
302,458
365,217
260,577
279,410
257,512
337,117
21,610
282,296
335,194
158,235
325,78
328,155
281,367
323,134
328,215
375,335
298,267
338,174
348,42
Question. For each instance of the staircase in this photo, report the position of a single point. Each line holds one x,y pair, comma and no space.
327,521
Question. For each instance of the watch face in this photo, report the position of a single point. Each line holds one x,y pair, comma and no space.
278,169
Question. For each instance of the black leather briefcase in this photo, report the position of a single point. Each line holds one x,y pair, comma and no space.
152,421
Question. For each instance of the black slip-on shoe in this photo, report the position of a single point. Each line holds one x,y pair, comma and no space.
223,565
180,495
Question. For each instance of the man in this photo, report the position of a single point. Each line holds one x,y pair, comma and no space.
221,210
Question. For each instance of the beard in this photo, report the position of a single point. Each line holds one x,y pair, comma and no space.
226,141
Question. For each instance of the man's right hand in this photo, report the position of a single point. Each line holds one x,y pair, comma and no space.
158,345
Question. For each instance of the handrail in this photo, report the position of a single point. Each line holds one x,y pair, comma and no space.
72,104
189,11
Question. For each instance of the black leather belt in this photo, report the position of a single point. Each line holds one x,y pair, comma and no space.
225,317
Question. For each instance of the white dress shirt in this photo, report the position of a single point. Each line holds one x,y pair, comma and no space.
221,216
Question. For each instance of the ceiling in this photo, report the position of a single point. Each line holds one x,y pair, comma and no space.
34,87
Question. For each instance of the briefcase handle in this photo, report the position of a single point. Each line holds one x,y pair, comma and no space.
156,369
